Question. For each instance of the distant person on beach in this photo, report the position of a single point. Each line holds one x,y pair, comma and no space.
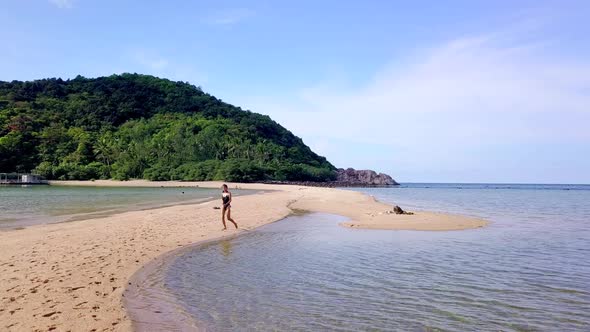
226,199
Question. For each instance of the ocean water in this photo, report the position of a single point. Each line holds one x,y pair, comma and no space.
22,206
529,270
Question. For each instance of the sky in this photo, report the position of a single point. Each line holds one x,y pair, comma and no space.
426,91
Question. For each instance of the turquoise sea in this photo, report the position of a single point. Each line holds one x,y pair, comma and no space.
527,271
22,206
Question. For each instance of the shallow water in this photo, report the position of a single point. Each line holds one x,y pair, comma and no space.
29,205
527,271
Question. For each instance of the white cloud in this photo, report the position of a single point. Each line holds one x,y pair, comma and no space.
439,105
229,16
466,84
63,3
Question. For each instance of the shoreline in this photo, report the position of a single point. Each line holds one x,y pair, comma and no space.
72,276
142,297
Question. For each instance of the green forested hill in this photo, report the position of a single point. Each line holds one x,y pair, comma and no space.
139,126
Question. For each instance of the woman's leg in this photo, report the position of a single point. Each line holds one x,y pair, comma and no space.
229,217
223,217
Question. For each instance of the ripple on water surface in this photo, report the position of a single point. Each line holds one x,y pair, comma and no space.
307,273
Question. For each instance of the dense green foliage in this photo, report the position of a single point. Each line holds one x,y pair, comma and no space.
138,126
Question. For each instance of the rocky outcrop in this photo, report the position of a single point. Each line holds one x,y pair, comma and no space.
352,177
348,178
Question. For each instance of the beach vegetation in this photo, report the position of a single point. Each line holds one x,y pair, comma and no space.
133,126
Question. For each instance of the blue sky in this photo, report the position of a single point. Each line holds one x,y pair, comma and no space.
442,91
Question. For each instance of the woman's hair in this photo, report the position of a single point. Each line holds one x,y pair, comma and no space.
224,186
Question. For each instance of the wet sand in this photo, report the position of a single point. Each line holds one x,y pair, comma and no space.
71,276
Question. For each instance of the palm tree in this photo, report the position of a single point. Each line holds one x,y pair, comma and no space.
103,149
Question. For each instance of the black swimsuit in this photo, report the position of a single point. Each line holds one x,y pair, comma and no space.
225,199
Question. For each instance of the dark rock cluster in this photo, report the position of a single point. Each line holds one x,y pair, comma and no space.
399,210
349,178
364,178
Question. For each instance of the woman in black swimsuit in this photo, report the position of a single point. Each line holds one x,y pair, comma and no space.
226,200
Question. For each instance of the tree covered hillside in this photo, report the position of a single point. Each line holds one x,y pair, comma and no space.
138,126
